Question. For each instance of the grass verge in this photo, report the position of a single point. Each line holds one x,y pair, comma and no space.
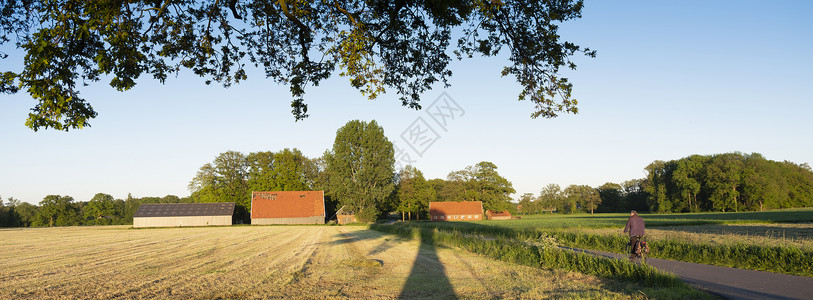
539,252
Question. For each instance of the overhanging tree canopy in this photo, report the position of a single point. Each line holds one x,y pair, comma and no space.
378,45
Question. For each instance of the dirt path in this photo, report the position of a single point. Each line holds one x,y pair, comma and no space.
730,283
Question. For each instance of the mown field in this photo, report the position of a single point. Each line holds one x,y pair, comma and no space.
777,241
249,262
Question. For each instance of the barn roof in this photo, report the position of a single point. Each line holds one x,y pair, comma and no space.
456,208
498,213
185,209
288,204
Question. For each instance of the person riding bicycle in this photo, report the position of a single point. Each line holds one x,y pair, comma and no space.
635,227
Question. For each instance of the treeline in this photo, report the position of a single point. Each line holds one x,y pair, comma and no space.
610,197
480,182
727,182
56,210
357,173
697,183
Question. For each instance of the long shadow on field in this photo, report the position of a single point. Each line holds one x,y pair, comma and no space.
427,279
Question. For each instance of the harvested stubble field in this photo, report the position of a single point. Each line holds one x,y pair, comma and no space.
262,262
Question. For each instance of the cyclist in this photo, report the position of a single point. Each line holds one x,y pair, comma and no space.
635,227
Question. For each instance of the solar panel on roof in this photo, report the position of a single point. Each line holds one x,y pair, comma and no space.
185,209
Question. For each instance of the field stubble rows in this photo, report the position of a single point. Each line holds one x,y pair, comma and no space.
262,262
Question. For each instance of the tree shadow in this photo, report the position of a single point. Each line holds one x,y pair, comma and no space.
427,278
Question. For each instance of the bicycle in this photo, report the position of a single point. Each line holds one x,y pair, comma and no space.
641,248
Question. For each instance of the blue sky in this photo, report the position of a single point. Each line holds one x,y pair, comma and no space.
671,79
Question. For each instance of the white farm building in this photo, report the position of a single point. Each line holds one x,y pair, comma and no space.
183,214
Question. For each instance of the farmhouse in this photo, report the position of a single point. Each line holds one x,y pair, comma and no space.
498,215
290,207
345,216
456,211
183,214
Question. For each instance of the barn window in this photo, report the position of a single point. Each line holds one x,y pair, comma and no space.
477,216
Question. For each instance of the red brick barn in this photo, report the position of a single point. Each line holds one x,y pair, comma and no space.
345,216
456,211
291,207
498,215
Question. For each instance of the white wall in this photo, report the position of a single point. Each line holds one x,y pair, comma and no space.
181,221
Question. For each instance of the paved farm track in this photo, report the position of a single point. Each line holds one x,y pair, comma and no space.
731,283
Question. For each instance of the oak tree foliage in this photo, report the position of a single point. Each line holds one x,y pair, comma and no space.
360,168
402,46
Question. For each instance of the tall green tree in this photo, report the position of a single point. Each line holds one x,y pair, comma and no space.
224,180
100,210
8,214
360,168
723,176
399,45
286,170
635,197
527,204
551,197
655,186
687,179
612,198
582,197
27,213
57,210
414,193
480,182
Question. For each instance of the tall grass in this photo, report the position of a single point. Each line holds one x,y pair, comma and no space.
776,258
609,220
535,252
779,258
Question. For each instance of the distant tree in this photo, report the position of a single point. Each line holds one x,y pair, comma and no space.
414,192
26,212
655,186
8,213
361,168
57,210
480,182
11,202
723,176
131,205
286,170
100,210
527,204
635,197
727,182
686,177
582,197
119,217
457,187
400,45
224,180
552,197
612,198
439,186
